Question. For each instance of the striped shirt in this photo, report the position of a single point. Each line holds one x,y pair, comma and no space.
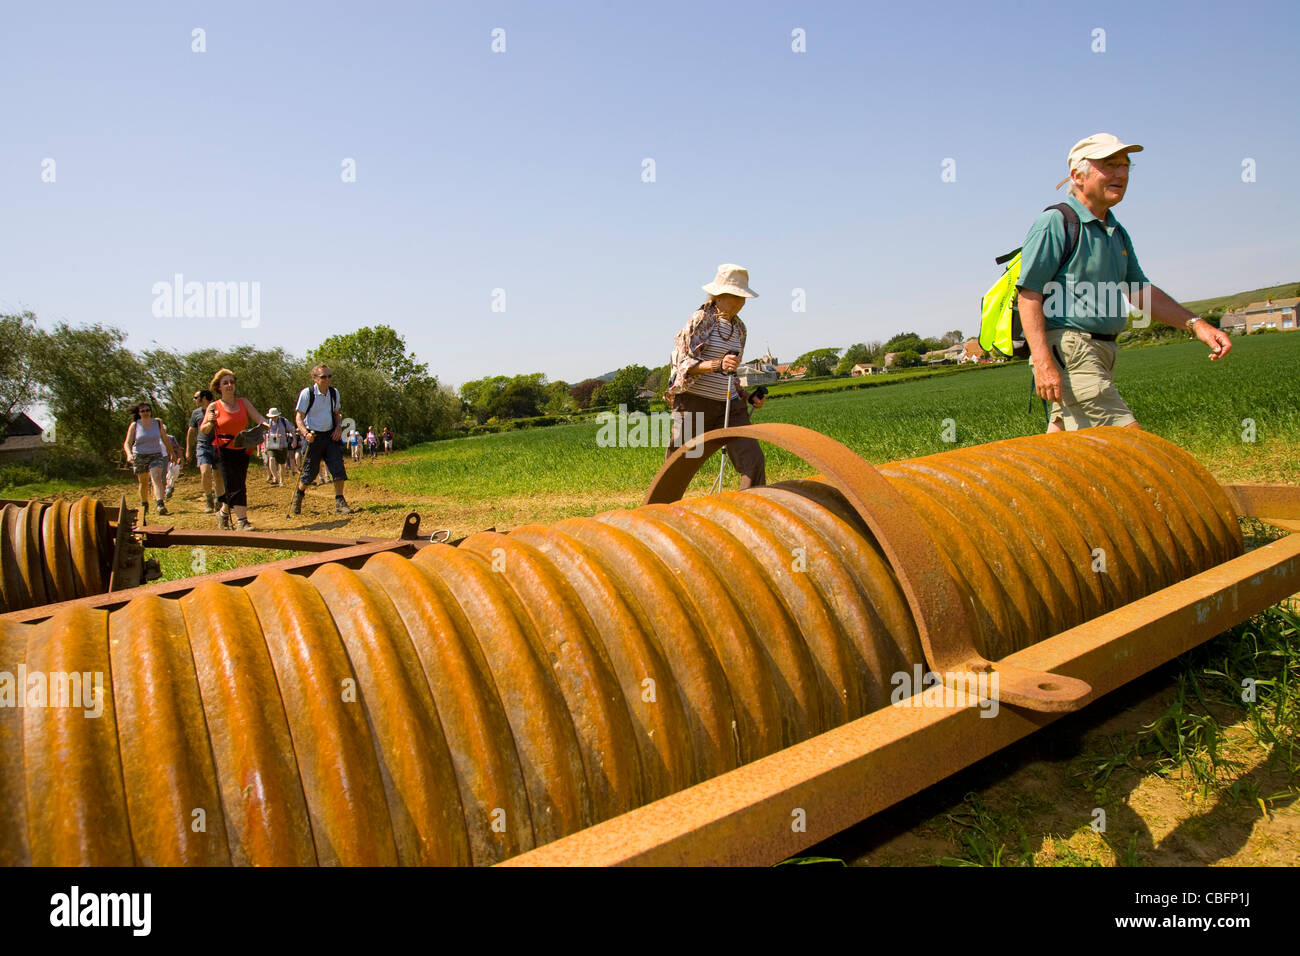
724,338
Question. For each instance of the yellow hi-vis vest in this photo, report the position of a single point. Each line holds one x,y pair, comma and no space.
1000,329
999,317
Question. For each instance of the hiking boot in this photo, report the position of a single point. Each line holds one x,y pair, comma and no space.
341,507
223,520
244,525
295,505
162,509
170,491
211,502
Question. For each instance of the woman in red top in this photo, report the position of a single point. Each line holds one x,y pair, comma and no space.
226,418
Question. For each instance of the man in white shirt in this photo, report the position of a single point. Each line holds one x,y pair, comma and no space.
321,425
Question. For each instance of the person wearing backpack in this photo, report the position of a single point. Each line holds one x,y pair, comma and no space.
277,446
1072,332
321,425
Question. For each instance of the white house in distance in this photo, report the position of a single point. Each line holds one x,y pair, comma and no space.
761,371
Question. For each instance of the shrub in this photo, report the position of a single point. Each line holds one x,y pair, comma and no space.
11,475
73,461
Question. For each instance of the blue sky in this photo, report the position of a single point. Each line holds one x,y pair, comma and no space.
523,170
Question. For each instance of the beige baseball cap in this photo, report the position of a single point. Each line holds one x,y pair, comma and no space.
1096,146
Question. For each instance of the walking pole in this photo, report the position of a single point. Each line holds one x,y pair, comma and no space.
726,421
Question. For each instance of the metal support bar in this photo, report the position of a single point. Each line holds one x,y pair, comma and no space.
1278,505
158,536
841,777
353,557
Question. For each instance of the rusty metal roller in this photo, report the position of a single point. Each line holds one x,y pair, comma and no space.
52,552
472,702
1043,533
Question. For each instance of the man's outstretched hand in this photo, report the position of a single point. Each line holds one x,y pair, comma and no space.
1216,339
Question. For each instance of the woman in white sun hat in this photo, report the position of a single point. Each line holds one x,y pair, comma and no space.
706,354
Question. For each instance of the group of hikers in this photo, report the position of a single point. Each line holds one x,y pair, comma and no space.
226,430
1077,246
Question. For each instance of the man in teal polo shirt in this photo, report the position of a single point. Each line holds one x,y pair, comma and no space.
1071,315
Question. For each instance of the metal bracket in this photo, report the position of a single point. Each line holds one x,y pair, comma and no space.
128,556
943,620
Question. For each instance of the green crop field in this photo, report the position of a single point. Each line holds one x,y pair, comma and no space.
1173,389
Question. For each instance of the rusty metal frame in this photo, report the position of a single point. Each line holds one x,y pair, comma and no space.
353,556
1278,505
744,817
127,571
943,620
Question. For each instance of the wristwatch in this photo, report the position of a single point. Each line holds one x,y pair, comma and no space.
1195,318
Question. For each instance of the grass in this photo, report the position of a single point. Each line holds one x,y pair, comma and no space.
1249,674
1284,291
1174,390
53,487
1186,742
181,562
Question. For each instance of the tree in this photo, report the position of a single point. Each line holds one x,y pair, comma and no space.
904,342
558,399
657,380
582,392
266,377
625,388
858,354
820,362
523,397
908,358
88,378
18,387
499,396
951,338
379,348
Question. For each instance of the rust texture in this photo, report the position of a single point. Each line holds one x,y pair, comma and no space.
52,552
468,704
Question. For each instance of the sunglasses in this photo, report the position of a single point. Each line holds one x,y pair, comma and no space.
324,376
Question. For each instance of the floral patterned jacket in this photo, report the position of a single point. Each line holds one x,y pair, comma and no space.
687,348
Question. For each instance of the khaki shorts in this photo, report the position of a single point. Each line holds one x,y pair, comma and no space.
1088,393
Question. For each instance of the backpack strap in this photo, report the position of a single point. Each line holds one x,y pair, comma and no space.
311,400
1072,229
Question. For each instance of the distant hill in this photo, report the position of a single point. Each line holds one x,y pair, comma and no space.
1284,291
